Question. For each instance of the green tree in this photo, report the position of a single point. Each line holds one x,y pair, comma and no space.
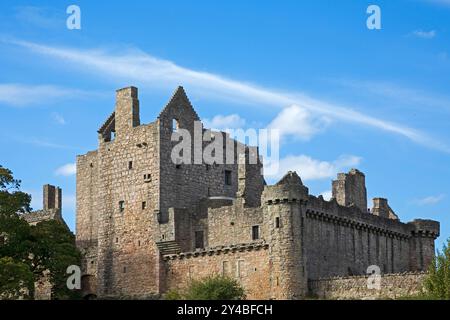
16,280
437,283
47,246
215,288
12,200
54,250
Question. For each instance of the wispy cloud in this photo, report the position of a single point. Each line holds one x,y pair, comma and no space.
59,119
430,200
440,2
312,169
39,16
67,170
222,122
139,67
21,95
298,122
424,34
38,142
411,96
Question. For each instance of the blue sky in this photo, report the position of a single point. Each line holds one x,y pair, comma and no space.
342,95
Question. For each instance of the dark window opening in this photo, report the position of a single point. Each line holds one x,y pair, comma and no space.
277,222
139,243
175,125
130,165
121,206
117,240
255,232
199,240
228,177
144,205
124,269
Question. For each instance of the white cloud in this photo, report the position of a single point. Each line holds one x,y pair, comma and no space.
221,122
40,17
20,95
66,170
412,96
424,34
430,200
298,122
327,195
440,2
59,119
143,69
312,169
40,142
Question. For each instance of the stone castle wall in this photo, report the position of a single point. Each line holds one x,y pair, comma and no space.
145,223
248,264
392,286
346,241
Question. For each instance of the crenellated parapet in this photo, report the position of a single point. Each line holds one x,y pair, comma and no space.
289,189
425,228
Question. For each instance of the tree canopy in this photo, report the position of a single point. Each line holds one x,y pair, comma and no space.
437,283
27,251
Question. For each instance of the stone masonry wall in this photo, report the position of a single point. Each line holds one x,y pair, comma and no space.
345,241
233,224
351,288
249,265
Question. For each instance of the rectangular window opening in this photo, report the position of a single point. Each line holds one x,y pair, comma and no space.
199,242
228,177
255,232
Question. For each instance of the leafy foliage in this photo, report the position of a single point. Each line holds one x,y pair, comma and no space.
437,283
54,250
16,280
26,250
12,201
215,288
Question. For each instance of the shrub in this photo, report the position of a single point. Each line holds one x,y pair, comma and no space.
437,283
215,288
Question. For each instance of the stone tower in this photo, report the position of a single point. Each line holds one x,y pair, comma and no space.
350,189
285,216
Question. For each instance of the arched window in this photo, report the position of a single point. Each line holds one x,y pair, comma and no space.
175,125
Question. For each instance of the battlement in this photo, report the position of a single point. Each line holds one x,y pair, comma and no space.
425,228
289,189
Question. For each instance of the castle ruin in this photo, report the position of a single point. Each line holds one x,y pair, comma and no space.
147,225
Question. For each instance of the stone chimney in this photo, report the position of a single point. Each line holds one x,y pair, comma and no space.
52,197
350,189
127,110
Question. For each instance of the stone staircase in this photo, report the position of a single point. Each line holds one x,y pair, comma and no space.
168,247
